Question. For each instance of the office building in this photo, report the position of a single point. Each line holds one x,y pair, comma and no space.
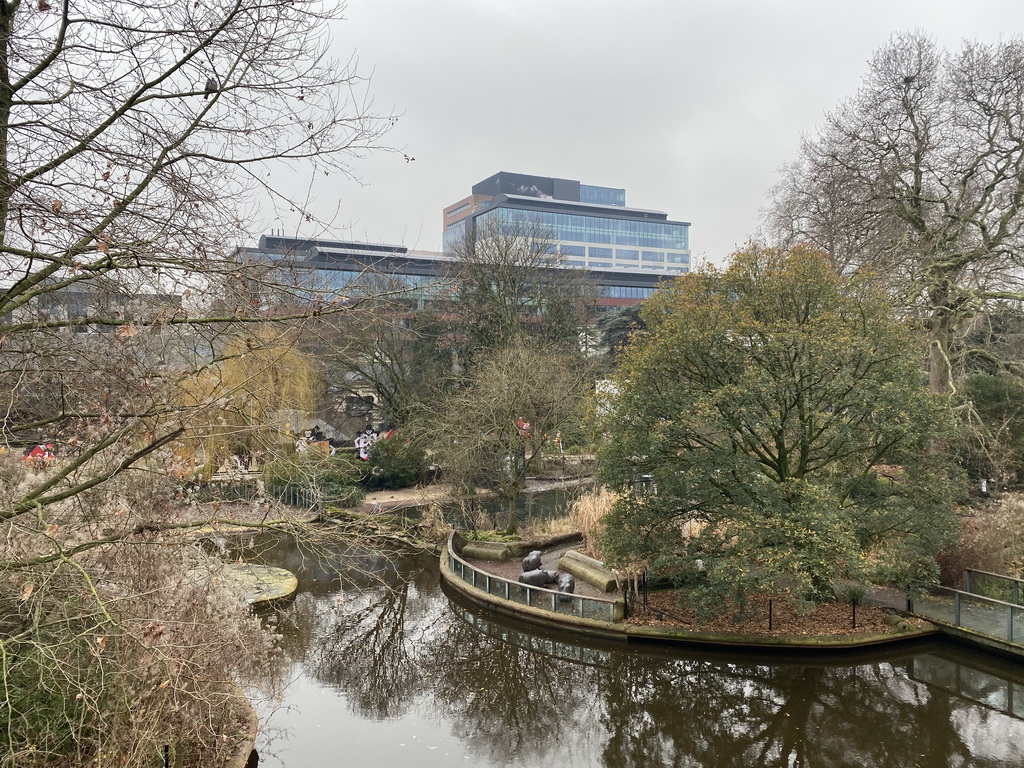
590,226
345,269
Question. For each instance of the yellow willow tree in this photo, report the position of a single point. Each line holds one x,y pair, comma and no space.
260,392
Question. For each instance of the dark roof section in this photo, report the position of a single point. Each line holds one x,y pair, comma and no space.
289,246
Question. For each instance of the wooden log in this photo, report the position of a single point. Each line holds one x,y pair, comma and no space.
485,550
588,569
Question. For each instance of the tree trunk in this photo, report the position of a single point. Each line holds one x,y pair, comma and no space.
940,379
513,523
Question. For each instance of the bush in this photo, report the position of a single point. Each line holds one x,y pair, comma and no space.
334,479
394,463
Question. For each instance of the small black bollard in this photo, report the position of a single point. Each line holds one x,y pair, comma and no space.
769,615
853,612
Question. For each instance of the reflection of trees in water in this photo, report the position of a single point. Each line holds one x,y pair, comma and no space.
390,648
736,716
510,704
368,644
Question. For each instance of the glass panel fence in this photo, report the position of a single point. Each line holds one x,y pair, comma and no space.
522,594
990,585
979,615
1018,626
940,607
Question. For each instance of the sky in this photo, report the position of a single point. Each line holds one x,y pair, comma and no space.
692,106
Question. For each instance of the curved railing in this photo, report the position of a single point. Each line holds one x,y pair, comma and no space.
598,608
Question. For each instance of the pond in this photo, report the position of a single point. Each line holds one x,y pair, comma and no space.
387,669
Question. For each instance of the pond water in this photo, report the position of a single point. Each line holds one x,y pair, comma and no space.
388,670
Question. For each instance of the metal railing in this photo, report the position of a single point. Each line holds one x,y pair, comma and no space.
566,604
247,490
994,585
996,618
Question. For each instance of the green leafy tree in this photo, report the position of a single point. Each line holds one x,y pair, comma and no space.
762,403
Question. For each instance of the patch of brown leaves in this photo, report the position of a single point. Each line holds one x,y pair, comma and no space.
663,610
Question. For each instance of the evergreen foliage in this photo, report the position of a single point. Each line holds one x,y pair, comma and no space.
766,403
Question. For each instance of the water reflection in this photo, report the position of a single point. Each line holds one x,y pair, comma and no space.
400,672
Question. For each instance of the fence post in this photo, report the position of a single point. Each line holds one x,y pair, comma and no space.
956,609
968,581
1016,593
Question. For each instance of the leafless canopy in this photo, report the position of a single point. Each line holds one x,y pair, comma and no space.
919,178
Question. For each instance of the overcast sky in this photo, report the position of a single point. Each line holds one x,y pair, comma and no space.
690,105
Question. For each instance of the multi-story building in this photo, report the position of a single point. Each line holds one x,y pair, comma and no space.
346,268
590,226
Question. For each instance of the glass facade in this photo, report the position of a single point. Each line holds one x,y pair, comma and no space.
596,229
626,292
602,195
454,235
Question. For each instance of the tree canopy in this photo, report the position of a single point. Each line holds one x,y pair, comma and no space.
491,431
768,404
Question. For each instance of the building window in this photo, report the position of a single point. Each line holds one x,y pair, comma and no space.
653,256
678,258
577,251
622,254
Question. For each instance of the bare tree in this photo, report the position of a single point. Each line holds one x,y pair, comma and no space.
509,281
918,178
491,432
136,140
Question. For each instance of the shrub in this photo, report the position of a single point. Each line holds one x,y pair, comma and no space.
333,479
394,463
